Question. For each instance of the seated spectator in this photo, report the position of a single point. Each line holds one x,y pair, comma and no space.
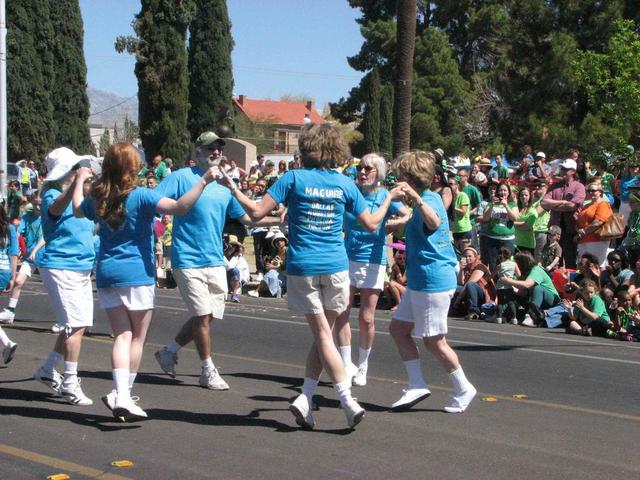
552,251
506,268
535,290
625,317
152,182
616,276
397,284
634,284
245,188
274,282
588,268
237,269
477,285
589,314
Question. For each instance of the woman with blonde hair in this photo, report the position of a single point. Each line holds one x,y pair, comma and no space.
591,218
125,275
367,252
431,283
317,262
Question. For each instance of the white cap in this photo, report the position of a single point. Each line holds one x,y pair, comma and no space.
569,164
541,154
61,160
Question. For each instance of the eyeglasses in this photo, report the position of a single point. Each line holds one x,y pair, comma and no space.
591,190
366,168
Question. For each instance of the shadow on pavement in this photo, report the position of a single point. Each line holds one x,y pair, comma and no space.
141,378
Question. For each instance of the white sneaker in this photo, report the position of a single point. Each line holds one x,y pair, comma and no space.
410,397
354,412
52,380
528,321
167,361
9,351
462,401
109,399
253,293
7,316
74,394
211,379
360,378
302,410
57,328
128,409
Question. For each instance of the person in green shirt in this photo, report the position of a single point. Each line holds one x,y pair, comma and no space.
541,225
157,166
535,289
527,215
589,316
498,218
461,225
499,172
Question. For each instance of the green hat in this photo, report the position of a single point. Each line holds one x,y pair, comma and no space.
208,140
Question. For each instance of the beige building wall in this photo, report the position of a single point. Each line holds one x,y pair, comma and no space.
242,152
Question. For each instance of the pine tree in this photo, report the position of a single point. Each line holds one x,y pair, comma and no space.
371,117
68,90
161,69
210,73
31,128
105,142
386,120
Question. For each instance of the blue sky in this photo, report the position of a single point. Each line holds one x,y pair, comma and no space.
281,47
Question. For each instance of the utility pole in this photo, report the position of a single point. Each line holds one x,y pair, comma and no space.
3,100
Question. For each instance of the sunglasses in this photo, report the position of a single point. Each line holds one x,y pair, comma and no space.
591,190
366,168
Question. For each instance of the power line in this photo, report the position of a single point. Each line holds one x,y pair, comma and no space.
113,106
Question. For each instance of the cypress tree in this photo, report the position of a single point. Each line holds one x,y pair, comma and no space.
371,118
210,73
68,90
386,120
161,69
31,128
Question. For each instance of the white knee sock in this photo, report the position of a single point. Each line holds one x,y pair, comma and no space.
345,353
132,379
70,373
173,346
4,338
363,357
414,373
52,361
309,387
208,364
459,380
121,380
344,391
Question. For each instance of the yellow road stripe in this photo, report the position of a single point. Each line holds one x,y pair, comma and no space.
59,464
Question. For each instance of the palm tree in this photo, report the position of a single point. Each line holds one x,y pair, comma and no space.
406,39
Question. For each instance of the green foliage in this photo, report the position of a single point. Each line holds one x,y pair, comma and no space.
68,90
386,121
612,79
371,117
129,132
161,69
105,143
31,129
210,72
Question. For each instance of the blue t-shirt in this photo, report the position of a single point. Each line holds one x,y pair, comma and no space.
69,240
9,250
362,245
197,236
31,229
125,255
431,260
317,200
626,183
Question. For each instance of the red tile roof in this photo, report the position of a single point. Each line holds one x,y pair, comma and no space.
288,113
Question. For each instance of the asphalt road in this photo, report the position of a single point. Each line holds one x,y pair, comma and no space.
550,406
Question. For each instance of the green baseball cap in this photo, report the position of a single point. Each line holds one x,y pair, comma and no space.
208,140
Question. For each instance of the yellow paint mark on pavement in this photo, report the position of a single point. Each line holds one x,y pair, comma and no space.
59,476
122,463
489,399
519,396
59,464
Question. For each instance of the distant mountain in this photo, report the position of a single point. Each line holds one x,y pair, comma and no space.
108,108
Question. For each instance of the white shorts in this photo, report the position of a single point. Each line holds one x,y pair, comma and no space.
26,269
367,275
317,293
427,311
204,290
139,297
71,296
